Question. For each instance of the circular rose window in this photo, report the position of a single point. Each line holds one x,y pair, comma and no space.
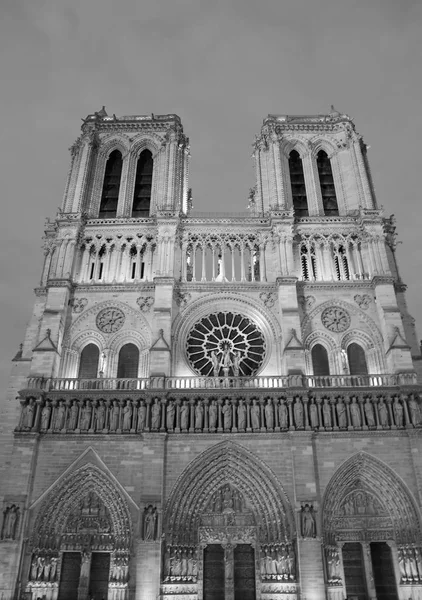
225,344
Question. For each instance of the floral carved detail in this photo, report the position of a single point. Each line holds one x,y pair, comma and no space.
145,303
182,298
268,299
363,301
110,320
79,304
335,319
307,302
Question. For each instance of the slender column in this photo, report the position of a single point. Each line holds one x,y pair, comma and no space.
407,421
242,262
289,255
248,415
223,258
369,575
305,400
252,264
262,274
213,263
147,420
206,401
290,410
194,248
358,261
333,414
85,575
220,423
233,273
192,416
39,403
320,419
275,404
262,412
163,414
203,266
177,429
390,412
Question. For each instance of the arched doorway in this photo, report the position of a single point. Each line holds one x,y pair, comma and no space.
229,529
80,544
371,532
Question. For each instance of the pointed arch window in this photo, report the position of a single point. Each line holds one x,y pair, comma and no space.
357,360
88,364
143,184
111,186
127,367
320,363
341,264
297,181
326,181
308,262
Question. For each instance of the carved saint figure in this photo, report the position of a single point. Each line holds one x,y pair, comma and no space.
142,415
269,414
291,563
255,415
114,416
150,519
170,415
184,568
45,417
28,415
404,571
213,414
298,413
99,416
241,415
127,416
176,564
218,504
415,416
341,413
226,362
313,415
167,561
383,412
215,363
308,522
155,414
236,363
398,412
184,415
369,413
199,415
237,498
60,416
326,412
227,414
86,416
282,414
73,416
355,413
10,520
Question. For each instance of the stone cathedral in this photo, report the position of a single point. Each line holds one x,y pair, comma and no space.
214,406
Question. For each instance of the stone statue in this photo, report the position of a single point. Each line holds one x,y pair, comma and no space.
398,412
213,414
45,417
255,415
263,566
170,415
150,519
369,412
227,414
86,416
99,416
236,363
184,568
227,497
283,415
403,563
326,412
241,416
28,415
60,416
155,414
291,563
199,415
412,564
226,361
313,414
237,498
40,567
215,363
383,413
355,413
218,504
184,415
53,570
10,521
269,414
127,416
308,522
142,415
167,561
414,411
114,416
34,568
341,413
176,564
103,363
298,413
73,416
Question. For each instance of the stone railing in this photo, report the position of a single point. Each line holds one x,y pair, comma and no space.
65,384
173,412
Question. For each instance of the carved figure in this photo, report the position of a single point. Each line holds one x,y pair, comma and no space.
341,413
184,415
167,561
403,563
127,416
142,415
184,567
263,562
28,415
103,362
45,417
236,363
269,414
176,564
383,413
227,414
150,519
170,415
199,415
255,415
213,414
237,497
241,416
86,416
313,415
34,568
355,413
398,412
282,414
60,416
10,520
114,416
215,363
412,564
100,416
369,413
291,563
155,414
40,567
218,504
326,412
298,413
308,522
415,415
73,416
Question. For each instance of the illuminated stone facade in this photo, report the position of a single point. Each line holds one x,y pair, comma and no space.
215,405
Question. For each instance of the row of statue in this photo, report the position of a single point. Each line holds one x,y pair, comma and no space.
180,563
11,515
43,568
225,499
278,561
332,558
226,414
410,563
119,570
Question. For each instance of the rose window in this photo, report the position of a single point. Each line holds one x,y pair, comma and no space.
225,344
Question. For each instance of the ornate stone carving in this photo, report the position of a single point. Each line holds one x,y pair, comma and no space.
149,533
268,299
11,522
182,298
307,521
335,319
78,304
363,301
307,302
332,558
110,320
180,564
278,561
43,568
145,303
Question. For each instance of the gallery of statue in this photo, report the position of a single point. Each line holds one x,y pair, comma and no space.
215,406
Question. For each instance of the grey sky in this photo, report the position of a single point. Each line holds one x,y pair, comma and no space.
222,66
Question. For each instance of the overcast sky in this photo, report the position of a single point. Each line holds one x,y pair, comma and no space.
222,66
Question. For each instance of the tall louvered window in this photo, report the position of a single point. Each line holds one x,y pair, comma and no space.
297,180
326,180
143,183
111,186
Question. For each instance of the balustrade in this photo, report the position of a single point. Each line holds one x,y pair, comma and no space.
298,411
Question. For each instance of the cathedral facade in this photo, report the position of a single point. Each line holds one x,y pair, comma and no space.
211,406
